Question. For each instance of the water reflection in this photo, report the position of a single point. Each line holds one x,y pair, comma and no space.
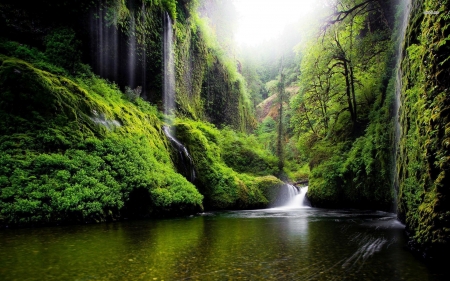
271,244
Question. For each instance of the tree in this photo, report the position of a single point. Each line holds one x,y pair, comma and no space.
339,69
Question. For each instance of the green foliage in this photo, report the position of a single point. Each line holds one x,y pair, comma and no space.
23,52
62,48
77,150
272,87
89,183
423,159
245,154
171,7
326,184
222,186
358,173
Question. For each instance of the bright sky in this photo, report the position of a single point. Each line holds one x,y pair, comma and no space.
261,20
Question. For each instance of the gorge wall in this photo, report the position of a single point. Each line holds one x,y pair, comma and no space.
424,156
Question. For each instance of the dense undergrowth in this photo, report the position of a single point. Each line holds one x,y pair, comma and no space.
74,148
358,173
77,149
221,175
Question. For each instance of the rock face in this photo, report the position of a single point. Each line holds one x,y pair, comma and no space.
424,155
122,42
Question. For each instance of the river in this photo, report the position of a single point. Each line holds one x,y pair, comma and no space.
269,244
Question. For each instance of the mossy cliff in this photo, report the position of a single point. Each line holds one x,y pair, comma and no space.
75,147
122,42
209,86
79,150
424,156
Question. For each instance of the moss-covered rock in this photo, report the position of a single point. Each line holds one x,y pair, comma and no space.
209,86
77,150
424,157
223,187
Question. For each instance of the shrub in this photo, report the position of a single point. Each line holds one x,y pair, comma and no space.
63,48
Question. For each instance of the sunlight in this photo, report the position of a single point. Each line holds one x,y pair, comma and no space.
261,20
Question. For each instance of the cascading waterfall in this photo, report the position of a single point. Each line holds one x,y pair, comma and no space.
169,69
291,197
403,23
104,45
185,163
116,53
299,200
132,53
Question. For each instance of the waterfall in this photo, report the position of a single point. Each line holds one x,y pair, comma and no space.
104,45
169,68
402,25
116,53
299,200
132,53
184,163
290,197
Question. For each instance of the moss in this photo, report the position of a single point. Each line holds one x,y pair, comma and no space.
209,87
424,154
326,184
223,187
245,155
76,150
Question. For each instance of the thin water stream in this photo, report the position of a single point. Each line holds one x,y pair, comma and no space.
270,244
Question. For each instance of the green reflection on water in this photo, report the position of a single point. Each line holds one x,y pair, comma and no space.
304,244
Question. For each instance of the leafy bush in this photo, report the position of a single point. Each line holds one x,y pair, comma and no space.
171,7
33,55
245,154
63,48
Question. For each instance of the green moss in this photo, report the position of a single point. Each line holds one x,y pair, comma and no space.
209,87
424,154
78,149
326,183
245,155
222,186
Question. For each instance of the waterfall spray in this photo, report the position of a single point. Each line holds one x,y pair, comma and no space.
291,197
132,53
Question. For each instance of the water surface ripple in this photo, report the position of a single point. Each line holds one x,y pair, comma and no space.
270,244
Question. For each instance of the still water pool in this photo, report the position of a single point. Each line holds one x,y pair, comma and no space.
270,244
